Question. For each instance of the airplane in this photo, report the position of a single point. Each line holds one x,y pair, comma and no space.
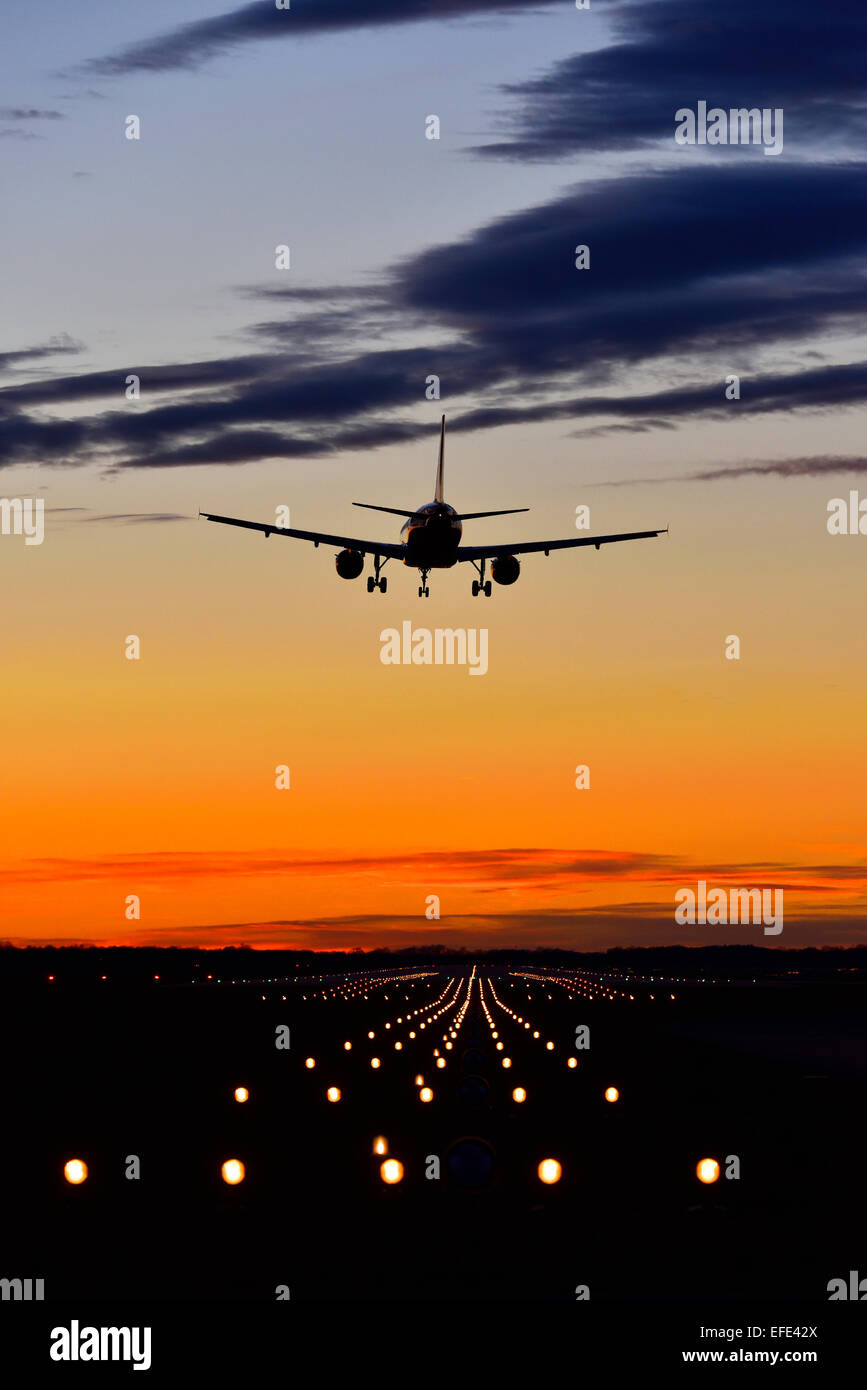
431,540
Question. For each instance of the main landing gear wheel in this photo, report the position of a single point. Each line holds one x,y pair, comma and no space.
484,588
424,591
373,580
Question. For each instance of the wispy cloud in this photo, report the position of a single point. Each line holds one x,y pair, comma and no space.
190,46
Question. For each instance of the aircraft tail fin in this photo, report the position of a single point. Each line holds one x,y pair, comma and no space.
438,494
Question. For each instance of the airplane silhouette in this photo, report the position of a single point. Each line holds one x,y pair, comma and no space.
431,540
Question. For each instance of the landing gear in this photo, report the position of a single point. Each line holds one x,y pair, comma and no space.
373,580
479,585
424,591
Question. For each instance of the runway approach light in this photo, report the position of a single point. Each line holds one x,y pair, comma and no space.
612,1094
380,1145
519,1094
425,1094
241,1094
391,1171
233,1171
333,1094
310,1063
75,1171
550,1171
707,1170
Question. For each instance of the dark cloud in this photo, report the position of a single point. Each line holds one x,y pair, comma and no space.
191,45
669,54
713,265
816,466
29,113
136,518
62,343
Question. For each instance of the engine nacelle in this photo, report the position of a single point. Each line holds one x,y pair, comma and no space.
349,564
505,569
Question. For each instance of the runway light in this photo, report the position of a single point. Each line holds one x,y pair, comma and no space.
419,1081
707,1170
550,1046
441,1061
391,1171
233,1171
374,1062
612,1094
380,1145
371,1034
425,1093
550,1171
241,1093
309,1062
572,1063
333,1093
507,1061
519,1094
75,1171
347,1047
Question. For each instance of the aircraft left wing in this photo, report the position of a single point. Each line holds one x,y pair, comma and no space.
490,552
394,552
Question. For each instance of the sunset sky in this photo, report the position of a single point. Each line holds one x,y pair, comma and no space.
306,387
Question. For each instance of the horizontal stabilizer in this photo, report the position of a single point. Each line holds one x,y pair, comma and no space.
395,511
474,516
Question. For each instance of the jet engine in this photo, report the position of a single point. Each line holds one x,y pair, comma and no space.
505,569
349,564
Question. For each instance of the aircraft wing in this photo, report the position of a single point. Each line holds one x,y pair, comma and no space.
490,552
394,552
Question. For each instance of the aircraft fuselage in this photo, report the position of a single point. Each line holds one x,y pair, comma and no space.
431,537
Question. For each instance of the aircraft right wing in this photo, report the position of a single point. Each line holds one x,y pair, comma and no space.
490,552
393,552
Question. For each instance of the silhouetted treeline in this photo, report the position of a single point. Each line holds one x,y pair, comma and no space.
173,965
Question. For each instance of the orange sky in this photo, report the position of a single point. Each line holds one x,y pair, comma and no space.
156,777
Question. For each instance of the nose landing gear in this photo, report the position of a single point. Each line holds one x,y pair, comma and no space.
424,591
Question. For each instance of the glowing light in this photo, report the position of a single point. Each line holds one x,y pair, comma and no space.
375,1062
707,1170
519,1094
612,1094
371,1034
241,1093
391,1171
550,1046
75,1171
380,1145
333,1093
425,1093
441,1061
309,1062
550,1170
347,1047
233,1171
419,1081
507,1061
